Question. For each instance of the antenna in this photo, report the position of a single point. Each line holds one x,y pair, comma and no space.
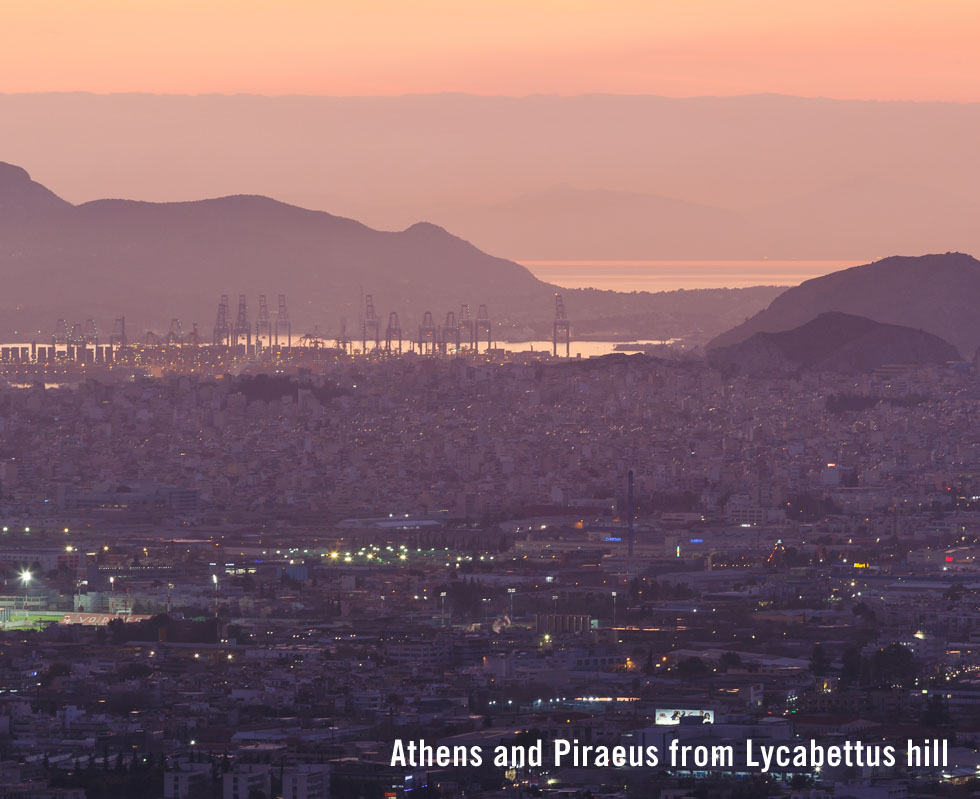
60,332
561,332
117,338
263,325
344,340
175,336
483,325
428,335
450,332
370,328
90,334
283,323
393,331
243,330
467,328
222,327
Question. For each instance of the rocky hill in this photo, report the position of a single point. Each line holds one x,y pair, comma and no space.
832,342
935,293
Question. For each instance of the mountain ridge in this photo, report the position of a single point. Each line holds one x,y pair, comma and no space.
155,261
792,169
833,341
937,293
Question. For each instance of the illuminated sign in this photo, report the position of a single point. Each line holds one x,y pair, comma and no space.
97,619
697,540
613,538
673,716
861,565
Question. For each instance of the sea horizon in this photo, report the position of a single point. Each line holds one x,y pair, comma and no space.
671,275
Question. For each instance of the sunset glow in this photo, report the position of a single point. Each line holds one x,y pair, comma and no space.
872,50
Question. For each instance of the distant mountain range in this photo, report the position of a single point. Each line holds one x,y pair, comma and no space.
832,342
154,261
935,293
565,221
541,177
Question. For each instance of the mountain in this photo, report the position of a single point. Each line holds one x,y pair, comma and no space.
154,261
936,293
833,342
21,198
805,178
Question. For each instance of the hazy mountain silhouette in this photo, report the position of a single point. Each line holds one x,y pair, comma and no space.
565,221
833,342
802,177
21,198
936,293
152,261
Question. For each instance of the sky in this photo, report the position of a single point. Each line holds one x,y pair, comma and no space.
856,49
492,118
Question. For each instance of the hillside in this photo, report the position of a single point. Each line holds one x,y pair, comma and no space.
154,261
643,177
936,293
833,342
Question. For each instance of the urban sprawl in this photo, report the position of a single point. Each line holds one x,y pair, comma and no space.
248,576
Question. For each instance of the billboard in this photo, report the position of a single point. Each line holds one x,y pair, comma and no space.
98,619
674,715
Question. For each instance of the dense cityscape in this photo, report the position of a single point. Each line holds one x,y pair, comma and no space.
489,400
248,574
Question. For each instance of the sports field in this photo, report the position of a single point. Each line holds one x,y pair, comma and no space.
36,619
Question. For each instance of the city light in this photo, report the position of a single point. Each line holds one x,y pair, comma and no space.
729,445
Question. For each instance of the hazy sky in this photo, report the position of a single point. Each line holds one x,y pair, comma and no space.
867,49
520,171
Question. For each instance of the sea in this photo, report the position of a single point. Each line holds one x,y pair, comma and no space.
584,349
633,275
673,275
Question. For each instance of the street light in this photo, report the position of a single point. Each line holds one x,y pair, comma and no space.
25,578
214,579
511,592
442,596
614,608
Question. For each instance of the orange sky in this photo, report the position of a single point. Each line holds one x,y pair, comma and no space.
868,49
